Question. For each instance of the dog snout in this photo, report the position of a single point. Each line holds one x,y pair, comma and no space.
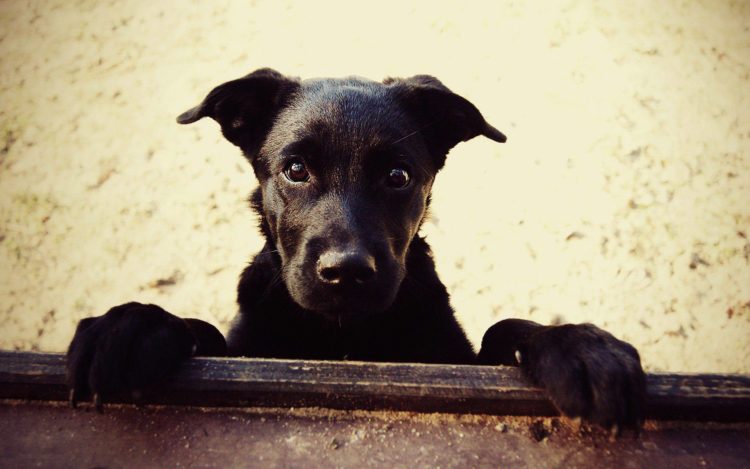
346,267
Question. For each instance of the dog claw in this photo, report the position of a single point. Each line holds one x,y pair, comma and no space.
98,403
614,432
72,399
577,424
518,356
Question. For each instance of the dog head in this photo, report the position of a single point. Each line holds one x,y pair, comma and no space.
345,168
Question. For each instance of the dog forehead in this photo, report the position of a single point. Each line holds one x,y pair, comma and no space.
345,109
342,92
342,123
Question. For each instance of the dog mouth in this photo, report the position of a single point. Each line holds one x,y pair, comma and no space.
343,300
347,301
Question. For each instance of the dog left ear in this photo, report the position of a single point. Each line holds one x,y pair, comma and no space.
444,118
245,108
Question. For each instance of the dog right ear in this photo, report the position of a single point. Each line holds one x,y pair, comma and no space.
245,108
444,118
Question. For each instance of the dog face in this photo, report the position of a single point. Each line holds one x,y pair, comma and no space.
344,190
345,168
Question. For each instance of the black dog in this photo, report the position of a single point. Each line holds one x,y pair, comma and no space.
345,169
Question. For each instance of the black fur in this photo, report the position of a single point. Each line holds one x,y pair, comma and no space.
345,168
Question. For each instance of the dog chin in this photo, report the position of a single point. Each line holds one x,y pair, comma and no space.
338,307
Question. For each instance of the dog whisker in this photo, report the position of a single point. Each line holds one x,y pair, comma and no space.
265,253
269,288
406,136
411,134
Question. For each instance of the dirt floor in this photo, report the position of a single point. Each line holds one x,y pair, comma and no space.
621,198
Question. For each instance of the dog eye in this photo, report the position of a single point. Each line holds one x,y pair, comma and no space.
296,171
398,178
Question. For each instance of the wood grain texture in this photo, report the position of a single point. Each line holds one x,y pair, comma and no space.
49,434
395,386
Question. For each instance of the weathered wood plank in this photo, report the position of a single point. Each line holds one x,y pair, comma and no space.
48,434
396,386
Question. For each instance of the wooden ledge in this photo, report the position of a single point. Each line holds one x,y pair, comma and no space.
374,386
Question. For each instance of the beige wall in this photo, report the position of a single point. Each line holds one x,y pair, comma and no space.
628,159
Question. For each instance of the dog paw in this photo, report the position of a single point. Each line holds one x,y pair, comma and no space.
126,351
588,374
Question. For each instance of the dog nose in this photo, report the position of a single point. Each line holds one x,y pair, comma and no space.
335,267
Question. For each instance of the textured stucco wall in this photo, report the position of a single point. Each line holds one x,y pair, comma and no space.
622,196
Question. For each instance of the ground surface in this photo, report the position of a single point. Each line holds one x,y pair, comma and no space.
621,198
49,435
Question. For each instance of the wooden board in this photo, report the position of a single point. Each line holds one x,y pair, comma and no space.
45,434
392,386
